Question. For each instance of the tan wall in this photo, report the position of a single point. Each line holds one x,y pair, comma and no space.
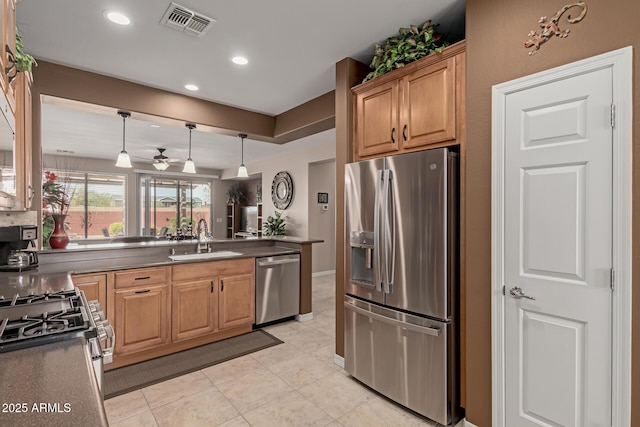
496,30
322,179
297,164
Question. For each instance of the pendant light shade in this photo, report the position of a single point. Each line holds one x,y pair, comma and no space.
123,158
189,166
242,170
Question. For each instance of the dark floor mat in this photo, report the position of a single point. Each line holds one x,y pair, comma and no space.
143,374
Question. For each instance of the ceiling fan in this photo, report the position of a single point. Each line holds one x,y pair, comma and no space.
162,162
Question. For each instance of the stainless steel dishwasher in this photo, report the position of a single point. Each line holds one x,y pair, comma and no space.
277,287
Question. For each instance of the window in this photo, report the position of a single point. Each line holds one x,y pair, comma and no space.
170,205
98,208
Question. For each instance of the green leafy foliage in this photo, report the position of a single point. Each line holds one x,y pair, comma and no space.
275,225
412,44
24,61
235,194
115,228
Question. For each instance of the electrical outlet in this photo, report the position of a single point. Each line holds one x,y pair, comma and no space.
218,219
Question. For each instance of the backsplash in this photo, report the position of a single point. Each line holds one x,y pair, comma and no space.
18,218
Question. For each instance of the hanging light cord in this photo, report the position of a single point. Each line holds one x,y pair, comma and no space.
124,116
242,137
190,129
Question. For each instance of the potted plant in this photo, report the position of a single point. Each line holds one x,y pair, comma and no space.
412,44
275,225
235,194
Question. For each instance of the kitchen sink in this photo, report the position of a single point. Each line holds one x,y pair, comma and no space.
204,255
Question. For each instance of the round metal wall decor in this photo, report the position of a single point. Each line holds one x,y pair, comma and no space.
282,190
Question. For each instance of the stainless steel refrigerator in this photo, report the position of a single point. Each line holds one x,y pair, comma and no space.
401,323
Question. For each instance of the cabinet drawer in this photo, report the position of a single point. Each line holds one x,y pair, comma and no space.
206,270
140,277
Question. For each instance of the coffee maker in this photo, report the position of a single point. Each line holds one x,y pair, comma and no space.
14,240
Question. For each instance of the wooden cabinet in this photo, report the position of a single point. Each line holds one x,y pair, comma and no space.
94,287
23,151
236,305
212,296
8,69
193,309
410,108
142,309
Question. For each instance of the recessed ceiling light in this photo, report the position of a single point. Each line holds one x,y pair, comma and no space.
240,60
191,87
117,17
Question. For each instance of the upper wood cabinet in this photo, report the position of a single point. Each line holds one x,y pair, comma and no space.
412,107
23,151
7,55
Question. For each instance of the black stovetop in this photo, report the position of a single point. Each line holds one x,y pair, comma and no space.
33,320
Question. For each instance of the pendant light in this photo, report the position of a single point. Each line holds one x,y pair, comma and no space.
242,170
123,158
189,166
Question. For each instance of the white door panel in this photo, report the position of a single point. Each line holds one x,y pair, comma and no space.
558,243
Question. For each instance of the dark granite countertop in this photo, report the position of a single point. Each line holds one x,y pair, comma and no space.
56,267
52,384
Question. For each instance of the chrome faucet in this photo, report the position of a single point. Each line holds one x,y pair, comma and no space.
201,237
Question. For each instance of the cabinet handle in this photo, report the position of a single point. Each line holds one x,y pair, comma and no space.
404,132
142,278
212,286
12,61
143,292
393,138
221,285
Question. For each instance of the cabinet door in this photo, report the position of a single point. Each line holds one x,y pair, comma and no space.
141,318
428,112
7,55
94,287
23,146
236,303
193,309
376,120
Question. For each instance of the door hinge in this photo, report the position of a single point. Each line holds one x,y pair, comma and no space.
613,115
611,278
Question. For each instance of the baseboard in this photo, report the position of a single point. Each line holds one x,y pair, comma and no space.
304,317
323,273
338,360
466,424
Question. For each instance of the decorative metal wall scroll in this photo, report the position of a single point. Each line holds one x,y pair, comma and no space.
551,28
282,190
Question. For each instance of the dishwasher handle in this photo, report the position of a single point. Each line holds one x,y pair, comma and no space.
278,262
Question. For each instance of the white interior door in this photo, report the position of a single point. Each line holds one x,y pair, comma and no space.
558,250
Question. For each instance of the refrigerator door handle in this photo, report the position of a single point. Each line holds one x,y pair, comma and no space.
377,241
390,253
421,329
385,230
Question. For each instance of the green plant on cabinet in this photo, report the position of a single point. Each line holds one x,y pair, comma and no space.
412,44
235,194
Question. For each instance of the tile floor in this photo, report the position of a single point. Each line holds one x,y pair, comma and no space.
291,384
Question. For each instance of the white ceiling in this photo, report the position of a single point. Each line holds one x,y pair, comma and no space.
292,47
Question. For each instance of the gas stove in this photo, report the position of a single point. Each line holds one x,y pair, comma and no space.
36,320
39,319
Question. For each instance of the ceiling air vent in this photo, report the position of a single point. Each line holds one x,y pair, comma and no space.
186,20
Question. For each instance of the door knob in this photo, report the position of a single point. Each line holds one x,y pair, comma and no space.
517,292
